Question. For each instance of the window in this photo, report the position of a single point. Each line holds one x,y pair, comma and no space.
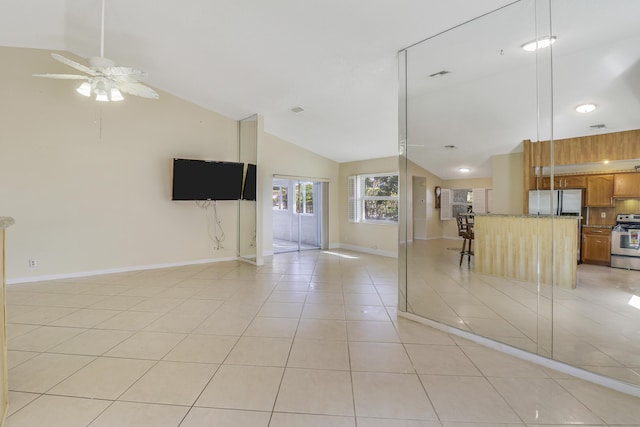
304,198
373,198
280,197
462,201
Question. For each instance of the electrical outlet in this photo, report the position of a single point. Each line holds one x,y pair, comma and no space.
603,214
33,263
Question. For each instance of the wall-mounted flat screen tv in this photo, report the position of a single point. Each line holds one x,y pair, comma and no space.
249,188
206,180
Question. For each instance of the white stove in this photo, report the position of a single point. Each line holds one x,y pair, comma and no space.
625,242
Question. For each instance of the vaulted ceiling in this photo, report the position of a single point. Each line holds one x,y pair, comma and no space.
337,59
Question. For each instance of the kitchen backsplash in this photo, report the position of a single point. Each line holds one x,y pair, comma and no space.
622,206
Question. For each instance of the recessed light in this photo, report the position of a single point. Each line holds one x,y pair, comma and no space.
606,162
297,109
540,43
464,170
585,108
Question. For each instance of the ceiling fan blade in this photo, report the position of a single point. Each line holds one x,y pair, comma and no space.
128,73
138,89
63,76
73,64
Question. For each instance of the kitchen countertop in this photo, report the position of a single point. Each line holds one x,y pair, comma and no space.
562,217
6,222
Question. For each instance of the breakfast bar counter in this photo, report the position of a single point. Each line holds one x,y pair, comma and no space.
520,246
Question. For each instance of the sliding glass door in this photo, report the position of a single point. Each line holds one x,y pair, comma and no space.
297,215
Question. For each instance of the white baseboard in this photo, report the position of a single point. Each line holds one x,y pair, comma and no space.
390,254
529,357
115,270
354,248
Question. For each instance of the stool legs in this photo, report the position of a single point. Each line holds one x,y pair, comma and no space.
468,252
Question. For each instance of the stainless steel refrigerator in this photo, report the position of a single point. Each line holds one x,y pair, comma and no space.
555,202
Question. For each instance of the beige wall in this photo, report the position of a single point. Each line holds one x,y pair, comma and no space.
450,228
89,184
374,238
508,182
282,158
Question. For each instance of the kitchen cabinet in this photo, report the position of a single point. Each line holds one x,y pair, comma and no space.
561,182
626,185
596,246
544,183
585,149
599,191
572,181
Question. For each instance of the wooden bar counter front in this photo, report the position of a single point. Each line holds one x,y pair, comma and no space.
514,245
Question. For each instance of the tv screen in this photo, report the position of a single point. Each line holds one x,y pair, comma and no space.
206,180
249,189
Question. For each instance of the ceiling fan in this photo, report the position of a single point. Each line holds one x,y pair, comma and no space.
105,79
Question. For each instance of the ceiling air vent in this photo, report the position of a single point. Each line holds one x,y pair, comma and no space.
596,127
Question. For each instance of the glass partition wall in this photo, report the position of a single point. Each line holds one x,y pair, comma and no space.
248,207
473,97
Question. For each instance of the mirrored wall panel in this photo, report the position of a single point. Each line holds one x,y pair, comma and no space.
520,158
596,69
248,154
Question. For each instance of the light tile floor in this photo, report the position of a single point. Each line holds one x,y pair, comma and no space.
596,326
309,339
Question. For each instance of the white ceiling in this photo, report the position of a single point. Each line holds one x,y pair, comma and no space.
490,102
335,58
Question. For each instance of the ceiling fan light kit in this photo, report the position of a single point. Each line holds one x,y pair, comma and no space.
101,89
105,80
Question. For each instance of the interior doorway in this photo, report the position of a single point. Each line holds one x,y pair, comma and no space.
298,214
419,199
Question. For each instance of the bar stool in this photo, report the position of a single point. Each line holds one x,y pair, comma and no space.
465,230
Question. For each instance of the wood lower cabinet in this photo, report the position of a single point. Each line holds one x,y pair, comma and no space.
599,191
596,246
626,185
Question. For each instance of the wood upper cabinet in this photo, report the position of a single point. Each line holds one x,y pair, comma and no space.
599,191
571,181
562,181
587,149
626,185
596,246
544,183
